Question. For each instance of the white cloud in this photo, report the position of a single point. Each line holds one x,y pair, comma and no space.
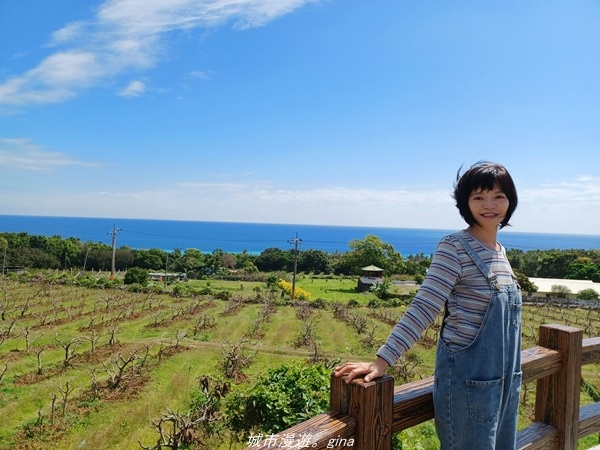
23,155
68,33
200,74
124,36
584,189
134,89
54,79
564,207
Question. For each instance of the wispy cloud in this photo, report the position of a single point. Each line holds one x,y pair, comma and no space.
23,155
126,36
584,189
134,89
265,202
199,74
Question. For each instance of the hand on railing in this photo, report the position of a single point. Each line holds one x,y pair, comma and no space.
351,370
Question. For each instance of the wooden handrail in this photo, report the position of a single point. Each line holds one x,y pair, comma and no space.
363,416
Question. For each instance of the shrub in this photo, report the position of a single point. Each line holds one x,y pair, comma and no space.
135,287
319,303
223,295
136,275
206,291
182,290
587,294
106,283
353,303
300,294
285,396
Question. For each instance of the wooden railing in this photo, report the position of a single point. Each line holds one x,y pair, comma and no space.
363,416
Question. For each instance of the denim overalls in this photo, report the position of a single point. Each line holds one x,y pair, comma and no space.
476,389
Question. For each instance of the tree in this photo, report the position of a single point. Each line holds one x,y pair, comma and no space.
136,275
583,270
560,290
99,256
192,261
588,294
525,283
66,251
228,261
214,261
152,259
416,265
274,259
124,257
370,250
382,290
34,257
246,261
315,261
553,263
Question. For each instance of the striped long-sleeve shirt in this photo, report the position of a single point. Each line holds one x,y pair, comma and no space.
453,282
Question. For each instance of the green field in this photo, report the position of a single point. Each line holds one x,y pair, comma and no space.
61,342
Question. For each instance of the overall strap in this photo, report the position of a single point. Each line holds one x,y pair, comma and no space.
485,269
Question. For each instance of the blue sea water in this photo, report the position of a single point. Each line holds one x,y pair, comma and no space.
236,237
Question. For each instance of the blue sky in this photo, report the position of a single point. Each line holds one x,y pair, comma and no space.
336,112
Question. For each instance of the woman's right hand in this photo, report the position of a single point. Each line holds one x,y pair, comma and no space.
350,370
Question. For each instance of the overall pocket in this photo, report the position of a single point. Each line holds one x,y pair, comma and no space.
484,399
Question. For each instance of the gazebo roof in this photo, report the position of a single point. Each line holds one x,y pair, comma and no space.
372,268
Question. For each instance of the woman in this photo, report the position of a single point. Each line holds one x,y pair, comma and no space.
478,360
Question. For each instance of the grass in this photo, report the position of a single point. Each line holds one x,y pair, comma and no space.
152,323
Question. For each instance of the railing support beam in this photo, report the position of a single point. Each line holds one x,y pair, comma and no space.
370,404
557,396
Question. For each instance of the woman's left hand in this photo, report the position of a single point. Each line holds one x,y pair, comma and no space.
351,370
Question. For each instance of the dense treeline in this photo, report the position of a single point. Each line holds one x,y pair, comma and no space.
565,264
41,252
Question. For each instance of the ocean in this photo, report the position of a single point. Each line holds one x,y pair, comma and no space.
234,237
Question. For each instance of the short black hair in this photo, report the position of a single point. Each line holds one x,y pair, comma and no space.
483,176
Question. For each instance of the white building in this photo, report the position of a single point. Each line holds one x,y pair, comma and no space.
545,286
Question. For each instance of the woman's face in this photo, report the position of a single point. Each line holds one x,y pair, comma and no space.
488,207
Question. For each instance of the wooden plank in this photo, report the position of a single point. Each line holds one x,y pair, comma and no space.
539,362
538,436
317,433
557,396
590,352
413,404
589,419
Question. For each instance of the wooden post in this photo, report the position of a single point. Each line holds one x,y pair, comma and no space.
557,397
370,404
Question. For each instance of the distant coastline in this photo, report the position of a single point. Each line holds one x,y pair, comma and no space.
235,237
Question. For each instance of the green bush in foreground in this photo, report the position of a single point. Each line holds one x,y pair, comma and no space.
285,396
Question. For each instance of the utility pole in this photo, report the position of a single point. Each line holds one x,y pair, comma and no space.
4,260
114,249
166,269
296,241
